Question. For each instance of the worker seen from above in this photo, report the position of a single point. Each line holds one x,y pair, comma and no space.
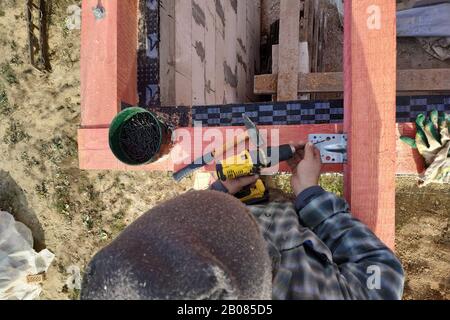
209,245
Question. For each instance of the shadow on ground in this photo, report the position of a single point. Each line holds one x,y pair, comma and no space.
13,200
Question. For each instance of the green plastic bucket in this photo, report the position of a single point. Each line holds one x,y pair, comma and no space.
138,137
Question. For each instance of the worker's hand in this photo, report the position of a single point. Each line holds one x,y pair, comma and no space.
236,185
307,173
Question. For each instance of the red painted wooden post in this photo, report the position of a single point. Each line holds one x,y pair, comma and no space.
108,60
370,93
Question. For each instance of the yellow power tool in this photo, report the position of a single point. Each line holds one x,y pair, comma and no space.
249,163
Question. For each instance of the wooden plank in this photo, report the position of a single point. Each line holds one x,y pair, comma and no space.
312,4
315,38
253,44
167,52
250,45
275,50
108,75
230,64
241,51
432,80
94,152
198,52
99,99
210,54
423,80
257,40
127,24
307,83
370,94
275,69
303,62
219,51
306,23
289,51
183,53
304,66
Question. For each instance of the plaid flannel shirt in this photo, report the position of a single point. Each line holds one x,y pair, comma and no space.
319,251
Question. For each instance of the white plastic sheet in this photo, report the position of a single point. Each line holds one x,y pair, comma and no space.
19,260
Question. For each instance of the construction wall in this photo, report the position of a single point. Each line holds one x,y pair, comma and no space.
209,51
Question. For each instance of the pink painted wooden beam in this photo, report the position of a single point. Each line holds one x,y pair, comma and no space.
95,154
108,60
369,113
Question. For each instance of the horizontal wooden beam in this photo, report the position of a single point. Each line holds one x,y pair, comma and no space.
94,152
308,83
407,80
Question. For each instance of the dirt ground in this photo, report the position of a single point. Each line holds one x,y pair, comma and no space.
423,239
74,213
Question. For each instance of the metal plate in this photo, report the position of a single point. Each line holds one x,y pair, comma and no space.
333,147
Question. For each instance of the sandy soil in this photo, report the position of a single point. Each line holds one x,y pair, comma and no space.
74,213
423,239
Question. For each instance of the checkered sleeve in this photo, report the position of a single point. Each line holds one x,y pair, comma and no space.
368,268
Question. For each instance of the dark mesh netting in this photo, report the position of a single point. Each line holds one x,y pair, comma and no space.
140,138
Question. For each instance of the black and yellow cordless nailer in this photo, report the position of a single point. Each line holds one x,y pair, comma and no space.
249,163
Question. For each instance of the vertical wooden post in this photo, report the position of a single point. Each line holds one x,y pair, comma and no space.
289,50
219,16
210,53
252,45
198,23
241,51
230,64
183,53
127,51
167,52
108,60
370,93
